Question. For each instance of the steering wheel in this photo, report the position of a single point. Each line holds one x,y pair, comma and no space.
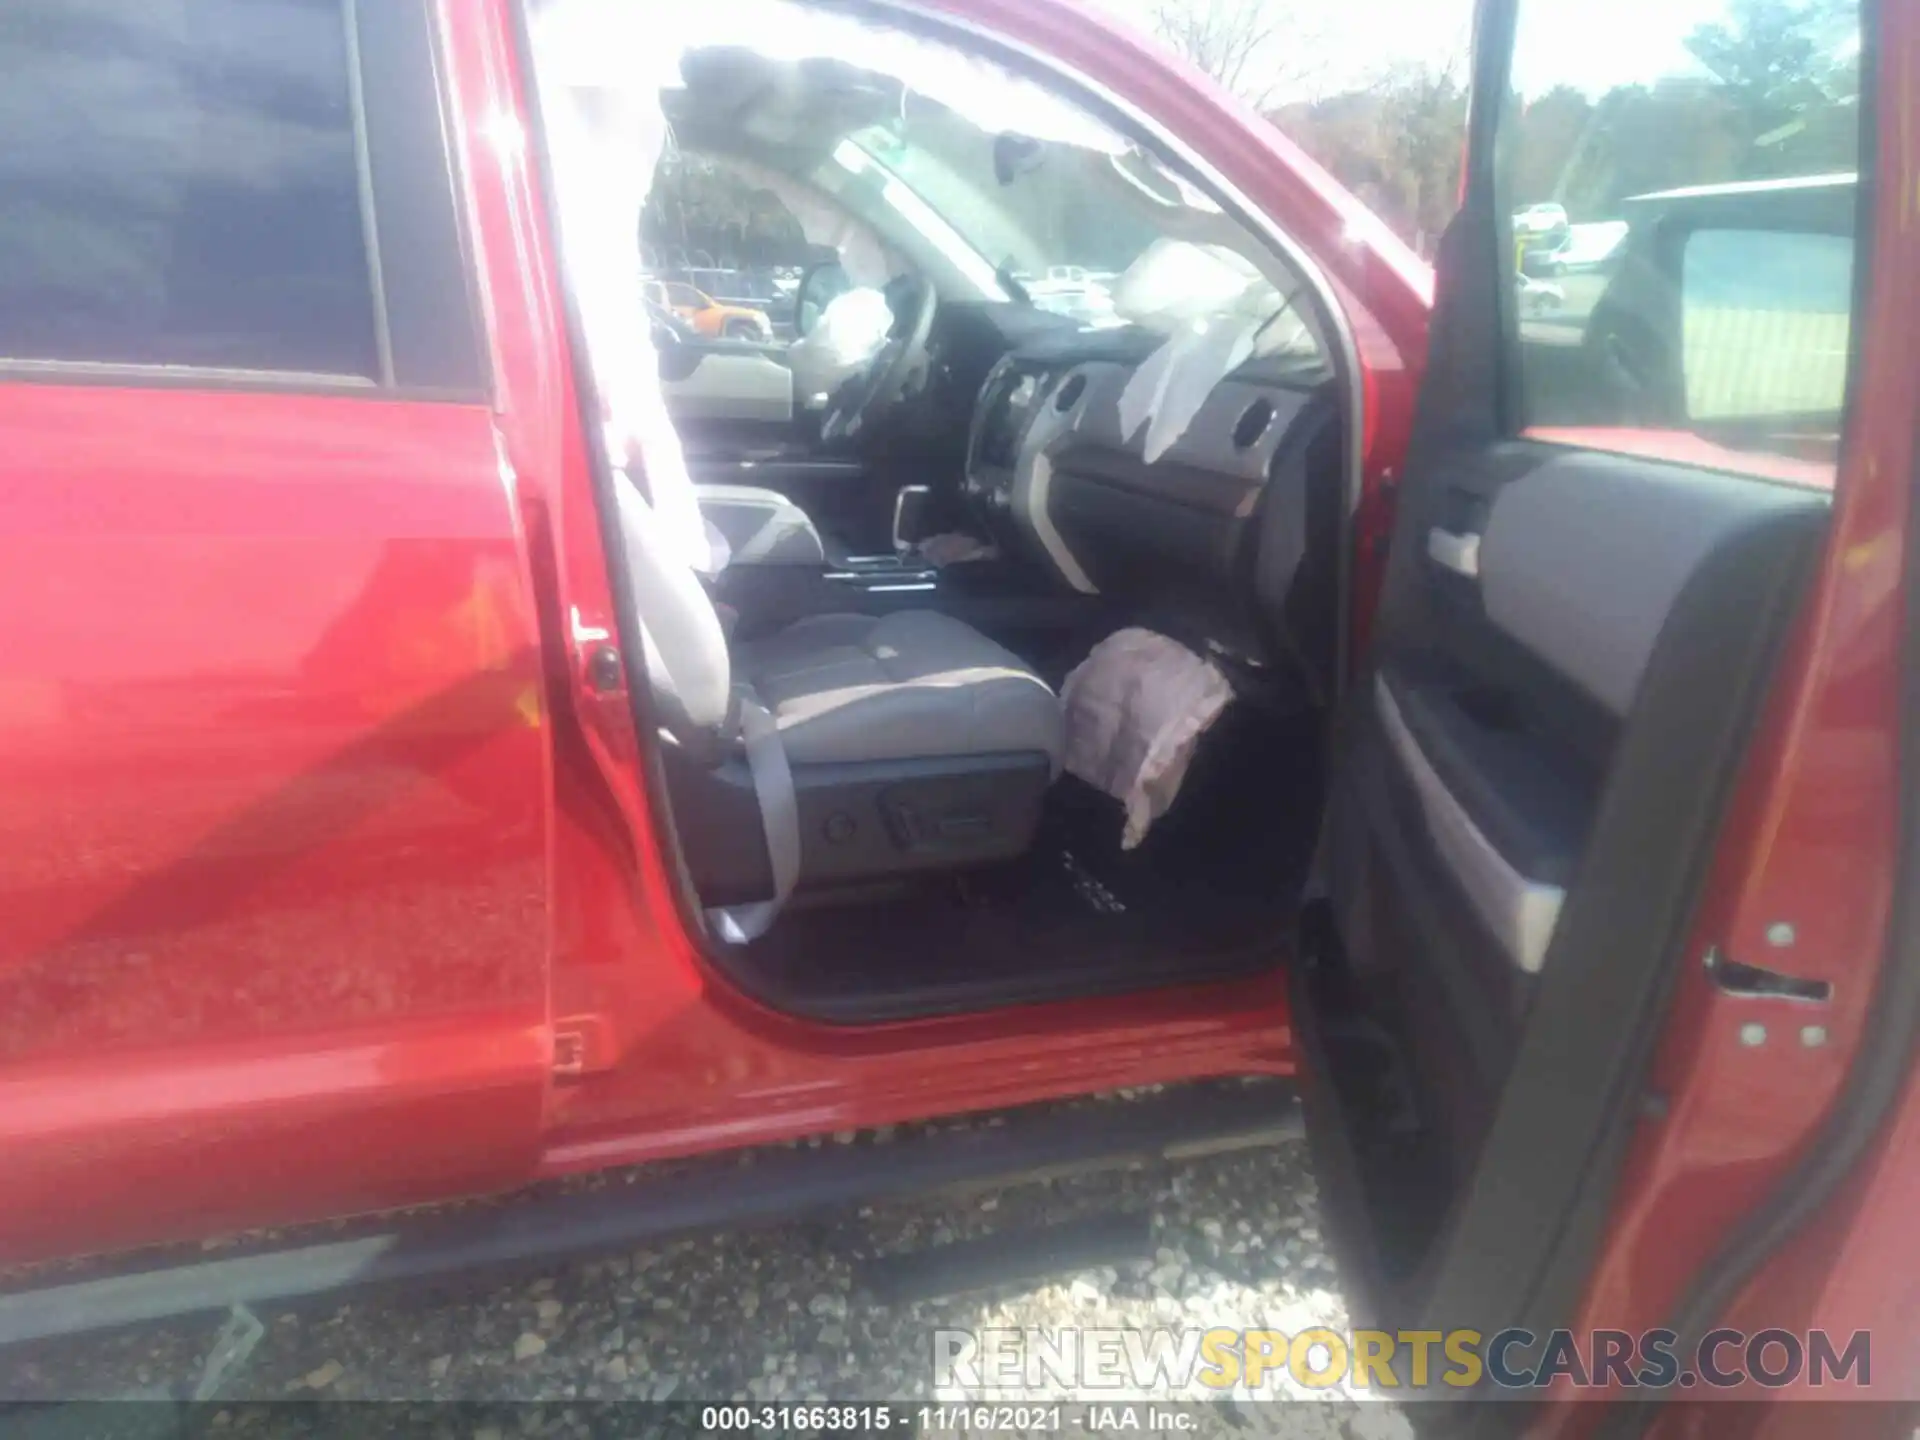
878,387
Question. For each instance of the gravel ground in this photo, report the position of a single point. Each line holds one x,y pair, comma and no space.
779,1315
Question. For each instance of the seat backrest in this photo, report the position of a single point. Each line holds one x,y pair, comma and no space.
688,669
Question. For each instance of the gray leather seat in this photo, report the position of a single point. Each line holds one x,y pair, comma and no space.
859,746
911,685
761,527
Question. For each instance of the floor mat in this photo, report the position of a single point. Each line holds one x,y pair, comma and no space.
1209,895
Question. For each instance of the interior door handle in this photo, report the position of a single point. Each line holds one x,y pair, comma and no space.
1458,553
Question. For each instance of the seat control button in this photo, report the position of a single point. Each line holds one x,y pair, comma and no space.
965,825
903,826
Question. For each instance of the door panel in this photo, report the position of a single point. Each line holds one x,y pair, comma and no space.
732,383
1526,791
274,847
732,404
1504,694
849,502
1584,559
1570,650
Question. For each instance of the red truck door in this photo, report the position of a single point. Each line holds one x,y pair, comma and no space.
1622,754
273,794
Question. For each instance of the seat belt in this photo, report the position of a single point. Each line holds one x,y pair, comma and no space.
779,822
690,681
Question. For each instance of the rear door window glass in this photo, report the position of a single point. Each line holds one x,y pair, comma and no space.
180,185
1765,317
1682,241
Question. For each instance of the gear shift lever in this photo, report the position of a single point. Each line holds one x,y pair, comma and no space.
910,514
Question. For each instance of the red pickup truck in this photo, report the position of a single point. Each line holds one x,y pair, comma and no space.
357,850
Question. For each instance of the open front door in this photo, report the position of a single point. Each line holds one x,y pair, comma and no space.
1615,517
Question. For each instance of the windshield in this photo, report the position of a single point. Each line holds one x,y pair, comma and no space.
1089,226
1013,192
1034,215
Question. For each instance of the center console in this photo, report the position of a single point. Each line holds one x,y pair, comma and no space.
901,572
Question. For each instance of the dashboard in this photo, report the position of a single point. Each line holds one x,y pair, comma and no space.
1228,540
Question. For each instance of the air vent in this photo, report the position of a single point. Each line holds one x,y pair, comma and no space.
1070,393
1254,421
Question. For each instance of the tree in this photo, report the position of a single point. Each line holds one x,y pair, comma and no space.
1786,70
1775,57
699,206
1258,49
1395,143
1553,133
1779,97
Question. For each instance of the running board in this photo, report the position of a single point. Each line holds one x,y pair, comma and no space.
1020,1257
717,1192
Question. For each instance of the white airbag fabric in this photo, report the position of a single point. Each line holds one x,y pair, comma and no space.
848,334
684,646
1136,709
1172,385
600,82
1212,304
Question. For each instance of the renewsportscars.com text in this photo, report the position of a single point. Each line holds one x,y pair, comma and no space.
1164,1360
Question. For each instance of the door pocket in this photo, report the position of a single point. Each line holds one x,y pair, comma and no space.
1519,909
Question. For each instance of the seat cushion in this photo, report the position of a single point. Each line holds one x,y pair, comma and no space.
907,686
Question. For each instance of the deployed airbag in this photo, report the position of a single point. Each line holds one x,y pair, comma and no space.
1215,308
1136,709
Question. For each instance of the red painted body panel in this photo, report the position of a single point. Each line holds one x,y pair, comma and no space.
273,849
1683,447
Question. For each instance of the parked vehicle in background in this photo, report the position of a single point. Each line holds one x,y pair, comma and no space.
1539,297
1545,220
746,290
669,327
1541,232
1591,245
1076,292
708,316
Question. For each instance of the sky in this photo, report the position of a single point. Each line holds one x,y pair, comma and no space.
1592,46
